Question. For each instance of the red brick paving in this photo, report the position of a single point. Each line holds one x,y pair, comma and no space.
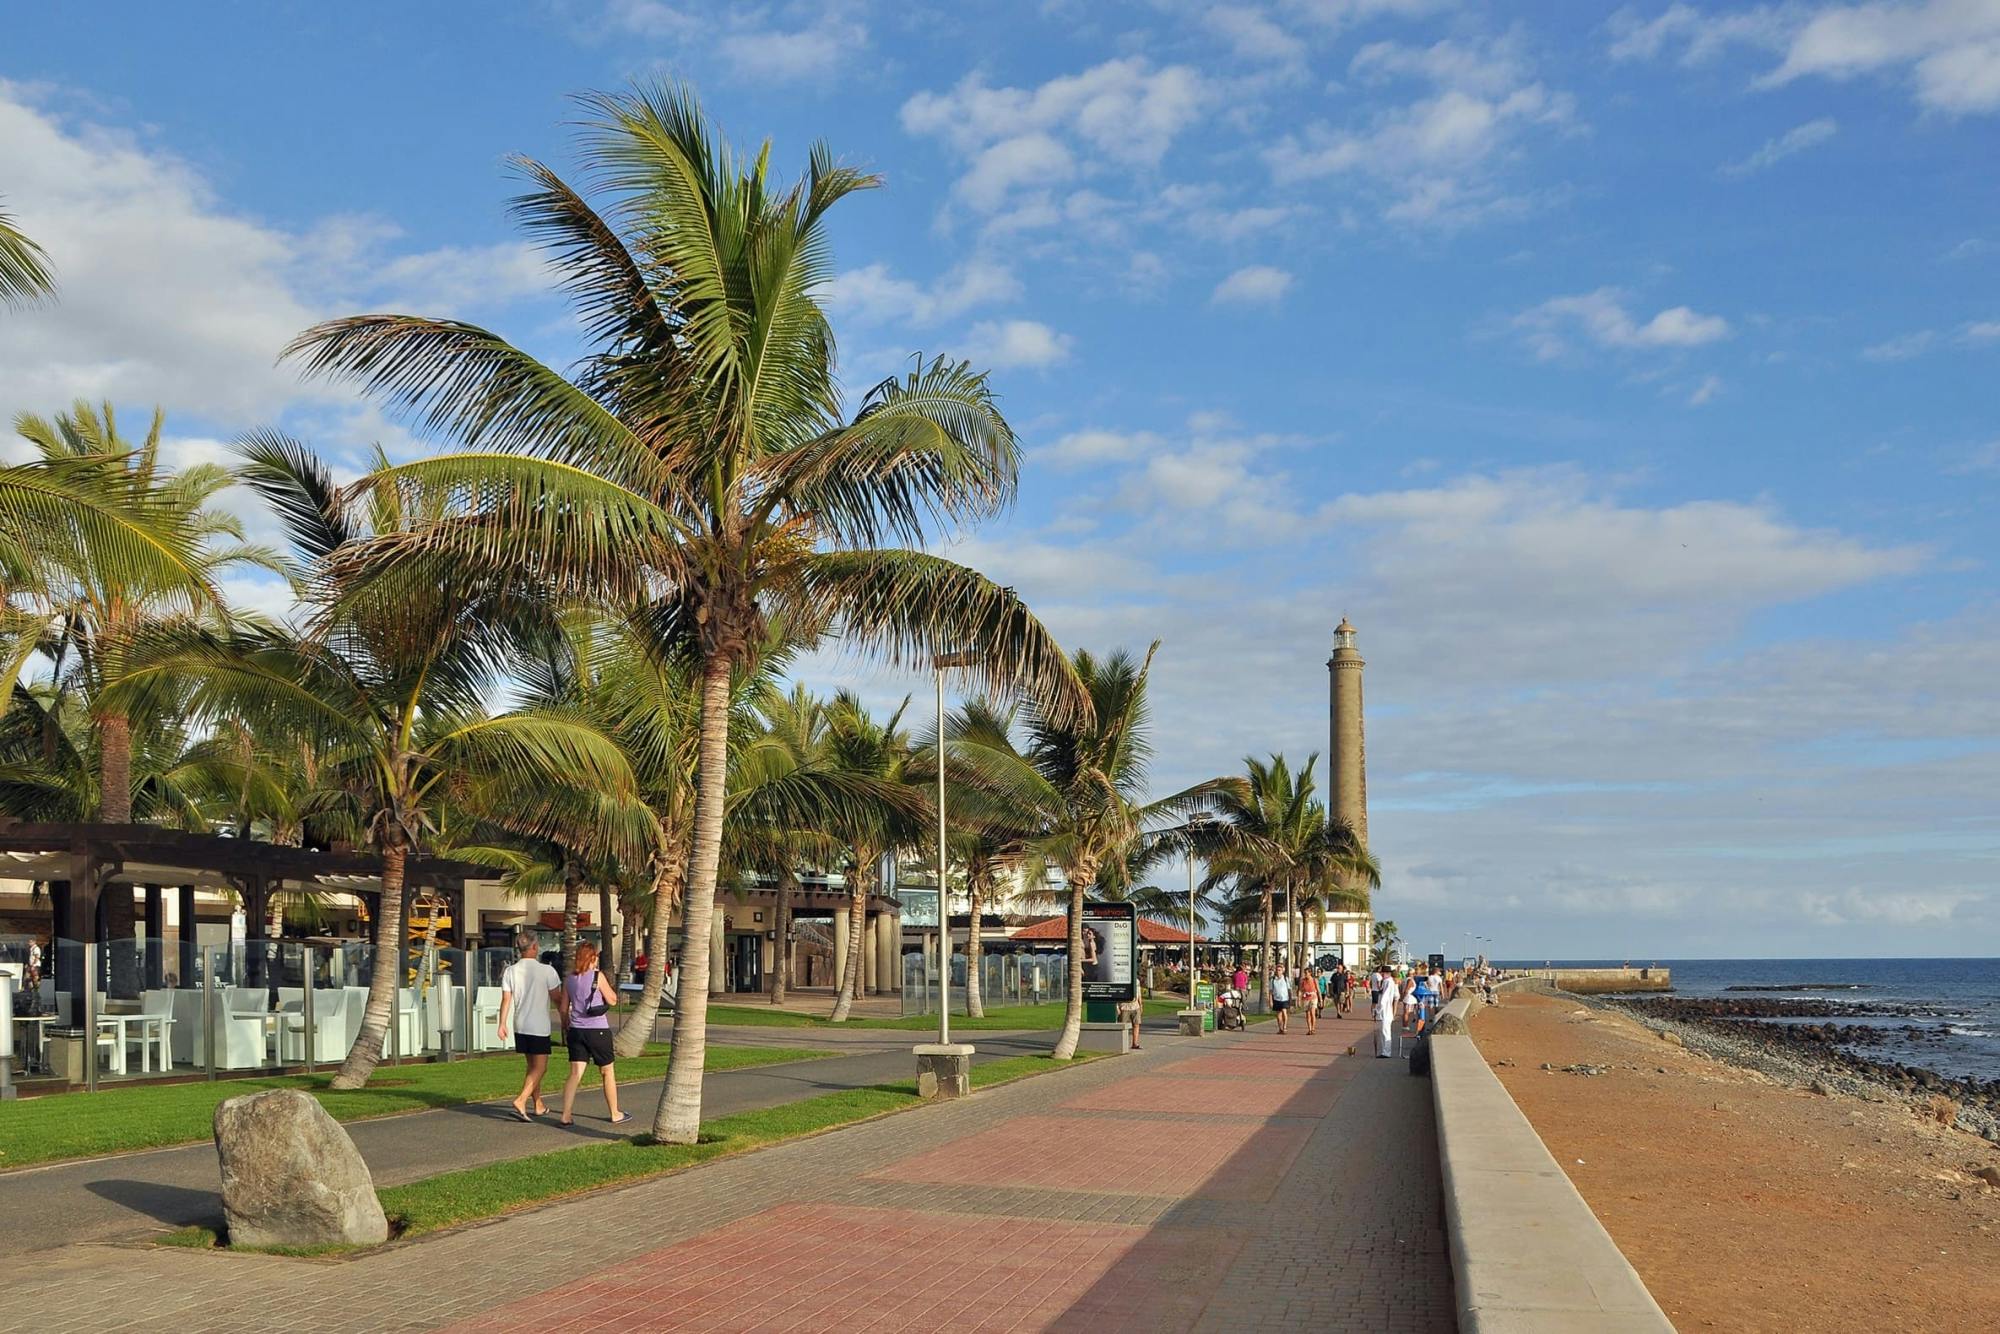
824,1267
1018,1208
1246,1095
1116,1155
1276,1065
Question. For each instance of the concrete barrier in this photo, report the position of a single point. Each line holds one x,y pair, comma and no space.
1527,1254
1607,981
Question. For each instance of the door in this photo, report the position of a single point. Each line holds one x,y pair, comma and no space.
748,972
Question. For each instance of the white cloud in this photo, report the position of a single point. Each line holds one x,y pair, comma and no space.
1601,317
1795,140
872,295
1902,347
1253,36
1439,154
1982,331
827,45
1705,392
1006,344
1018,143
1258,284
171,296
753,42
1948,51
1089,448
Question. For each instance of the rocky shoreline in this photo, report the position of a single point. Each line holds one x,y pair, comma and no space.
1816,1056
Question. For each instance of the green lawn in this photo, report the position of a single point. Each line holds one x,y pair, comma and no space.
997,1017
81,1125
452,1198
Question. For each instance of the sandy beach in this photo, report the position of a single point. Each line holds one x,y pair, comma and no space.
1746,1204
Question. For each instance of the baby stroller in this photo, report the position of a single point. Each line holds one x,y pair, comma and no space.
1228,1011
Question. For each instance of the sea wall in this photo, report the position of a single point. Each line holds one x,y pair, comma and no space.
1527,1254
1602,981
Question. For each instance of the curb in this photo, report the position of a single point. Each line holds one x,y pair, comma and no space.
1527,1254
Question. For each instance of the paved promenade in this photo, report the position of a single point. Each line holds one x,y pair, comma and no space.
119,1197
1239,1182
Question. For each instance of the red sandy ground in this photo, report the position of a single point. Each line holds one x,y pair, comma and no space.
1746,1205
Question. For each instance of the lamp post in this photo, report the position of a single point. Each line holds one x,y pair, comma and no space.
1192,1021
945,1070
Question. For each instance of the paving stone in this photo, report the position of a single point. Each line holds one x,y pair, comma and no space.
1111,1196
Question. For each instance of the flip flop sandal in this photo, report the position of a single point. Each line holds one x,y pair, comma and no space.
522,1116
622,1118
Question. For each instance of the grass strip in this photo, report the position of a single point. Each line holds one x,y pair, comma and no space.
996,1017
150,1116
453,1198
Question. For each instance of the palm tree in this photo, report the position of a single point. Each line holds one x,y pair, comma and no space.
994,831
388,688
872,756
25,273
1083,774
1267,829
1386,937
795,724
700,458
92,609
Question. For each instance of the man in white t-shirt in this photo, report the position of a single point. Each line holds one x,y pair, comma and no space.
1387,1001
530,994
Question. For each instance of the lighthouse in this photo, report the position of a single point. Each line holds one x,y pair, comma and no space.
1347,785
1347,745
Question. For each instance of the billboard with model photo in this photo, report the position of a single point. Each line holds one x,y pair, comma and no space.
1110,952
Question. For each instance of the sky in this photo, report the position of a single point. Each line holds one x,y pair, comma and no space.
1626,374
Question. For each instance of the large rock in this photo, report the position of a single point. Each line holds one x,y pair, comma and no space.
292,1177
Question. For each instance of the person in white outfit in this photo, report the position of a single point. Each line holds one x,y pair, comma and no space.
1386,1004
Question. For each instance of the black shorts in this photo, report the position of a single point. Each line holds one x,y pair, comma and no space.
533,1044
1281,1005
590,1044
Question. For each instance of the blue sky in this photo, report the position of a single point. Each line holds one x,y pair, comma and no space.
1626,374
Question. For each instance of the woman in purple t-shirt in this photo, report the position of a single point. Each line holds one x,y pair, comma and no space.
588,997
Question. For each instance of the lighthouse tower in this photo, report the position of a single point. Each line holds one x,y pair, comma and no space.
1347,771
1347,747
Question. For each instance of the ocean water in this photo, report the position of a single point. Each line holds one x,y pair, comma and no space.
1955,1001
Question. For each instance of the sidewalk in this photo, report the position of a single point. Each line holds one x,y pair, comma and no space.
131,1194
1239,1182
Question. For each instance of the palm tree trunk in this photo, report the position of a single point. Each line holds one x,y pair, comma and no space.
857,920
114,740
572,902
679,1118
1264,954
385,974
637,1029
1072,1029
975,1005
781,958
607,941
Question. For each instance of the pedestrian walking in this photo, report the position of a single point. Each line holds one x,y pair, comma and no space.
1383,1000
1343,988
530,991
1241,982
1309,1000
1279,988
1406,999
590,998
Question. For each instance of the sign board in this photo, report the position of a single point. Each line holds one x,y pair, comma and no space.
1110,952
1437,963
920,908
1204,1000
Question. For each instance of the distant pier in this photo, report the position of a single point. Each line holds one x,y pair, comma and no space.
1596,981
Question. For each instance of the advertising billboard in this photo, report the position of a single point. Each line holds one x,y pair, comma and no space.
1110,952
